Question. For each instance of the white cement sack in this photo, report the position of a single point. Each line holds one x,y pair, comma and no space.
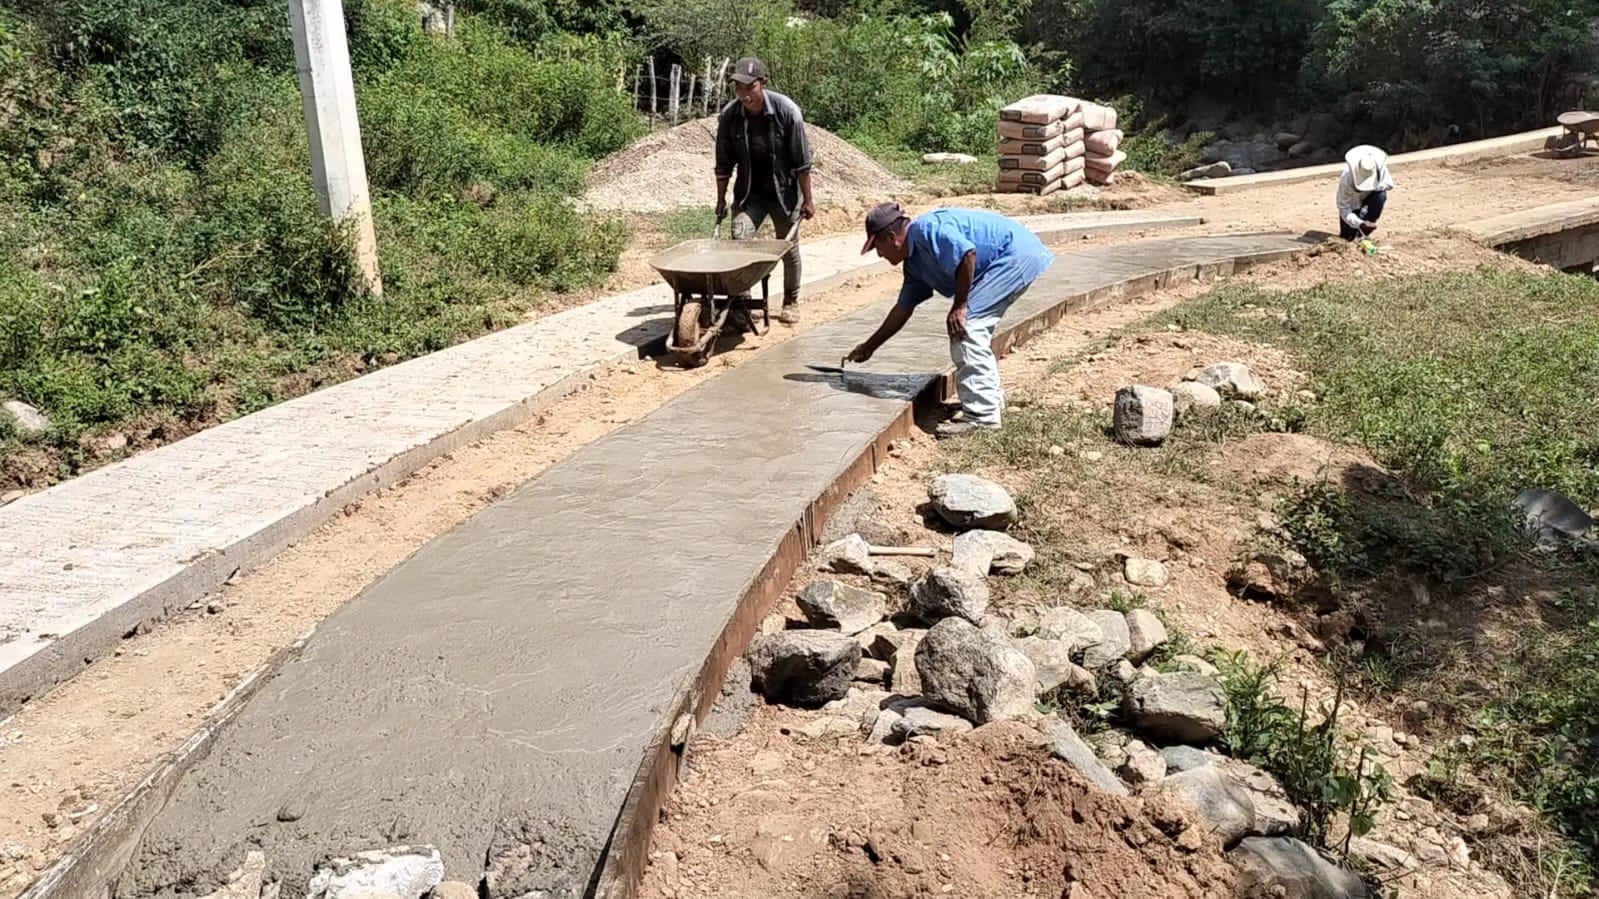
1103,143
1097,117
1040,109
1035,163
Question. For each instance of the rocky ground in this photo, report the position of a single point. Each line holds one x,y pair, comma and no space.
1044,683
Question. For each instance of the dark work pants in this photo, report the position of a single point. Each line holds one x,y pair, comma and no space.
747,221
1371,212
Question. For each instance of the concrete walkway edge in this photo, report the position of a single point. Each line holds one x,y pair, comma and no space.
93,559
1509,145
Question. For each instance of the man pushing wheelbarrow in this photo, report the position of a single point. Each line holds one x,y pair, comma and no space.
761,137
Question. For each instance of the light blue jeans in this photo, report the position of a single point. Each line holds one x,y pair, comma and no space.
977,368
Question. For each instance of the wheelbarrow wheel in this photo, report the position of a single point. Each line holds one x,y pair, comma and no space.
686,334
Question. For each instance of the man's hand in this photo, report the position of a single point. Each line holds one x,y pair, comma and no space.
956,323
862,353
721,209
808,209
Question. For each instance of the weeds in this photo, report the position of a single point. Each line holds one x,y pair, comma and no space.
1321,771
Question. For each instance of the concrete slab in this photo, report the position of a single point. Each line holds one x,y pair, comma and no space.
1509,145
1540,221
86,562
507,694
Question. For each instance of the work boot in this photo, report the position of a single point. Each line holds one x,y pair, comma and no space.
947,429
789,314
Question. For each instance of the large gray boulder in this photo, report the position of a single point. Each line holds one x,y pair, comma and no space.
1221,806
968,501
991,552
850,609
974,673
1286,868
1553,518
950,592
1117,640
1143,416
1070,748
1213,170
1179,707
1275,814
851,555
804,668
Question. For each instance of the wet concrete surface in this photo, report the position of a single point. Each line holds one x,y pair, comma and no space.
494,694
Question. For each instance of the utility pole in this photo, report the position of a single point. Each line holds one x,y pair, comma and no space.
327,92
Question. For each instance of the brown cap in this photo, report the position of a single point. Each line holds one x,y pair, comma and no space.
882,217
749,70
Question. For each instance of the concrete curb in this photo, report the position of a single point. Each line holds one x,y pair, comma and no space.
91,560
1508,145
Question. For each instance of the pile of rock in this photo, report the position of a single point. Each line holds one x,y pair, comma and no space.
1144,415
1041,145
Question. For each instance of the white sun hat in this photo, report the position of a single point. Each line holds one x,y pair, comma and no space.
1365,163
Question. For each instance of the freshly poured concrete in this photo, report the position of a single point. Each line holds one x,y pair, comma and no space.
494,694
87,561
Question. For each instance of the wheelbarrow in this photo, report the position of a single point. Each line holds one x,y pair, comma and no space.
1580,128
710,280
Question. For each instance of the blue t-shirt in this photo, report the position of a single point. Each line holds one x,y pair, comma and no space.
1009,257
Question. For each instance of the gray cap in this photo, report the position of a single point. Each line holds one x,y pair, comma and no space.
749,70
882,217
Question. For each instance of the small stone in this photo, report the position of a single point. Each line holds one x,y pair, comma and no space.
872,671
891,573
1286,867
920,721
246,881
1071,627
829,727
1180,707
1141,765
851,555
26,419
1381,856
1143,416
883,727
11,496
1232,380
1144,572
1117,642
804,668
1220,805
1147,634
455,889
968,501
775,623
1093,456
1123,672
1190,395
949,592
293,810
862,704
1214,170
1067,746
1268,576
402,872
879,641
904,679
1195,663
850,609
1186,758
1057,450
1054,669
974,673
991,552
214,608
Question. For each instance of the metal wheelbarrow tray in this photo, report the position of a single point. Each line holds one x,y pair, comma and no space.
707,276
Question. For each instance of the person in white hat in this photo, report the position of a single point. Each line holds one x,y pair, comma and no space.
1362,191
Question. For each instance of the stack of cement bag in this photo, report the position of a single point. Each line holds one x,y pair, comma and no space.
1101,143
1041,145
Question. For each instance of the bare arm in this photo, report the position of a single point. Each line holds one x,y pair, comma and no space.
964,275
807,201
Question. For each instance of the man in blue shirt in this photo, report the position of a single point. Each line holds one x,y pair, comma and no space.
983,260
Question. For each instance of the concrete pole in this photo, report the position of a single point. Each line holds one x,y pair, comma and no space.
327,92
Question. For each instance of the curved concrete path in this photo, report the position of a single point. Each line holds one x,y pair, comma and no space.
87,561
507,693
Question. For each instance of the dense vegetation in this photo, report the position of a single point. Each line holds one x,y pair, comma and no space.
162,265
